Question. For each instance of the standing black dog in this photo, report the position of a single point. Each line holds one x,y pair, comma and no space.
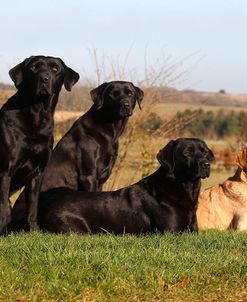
26,129
164,201
83,159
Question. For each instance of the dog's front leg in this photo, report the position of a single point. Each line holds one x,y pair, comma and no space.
88,184
32,190
5,181
193,227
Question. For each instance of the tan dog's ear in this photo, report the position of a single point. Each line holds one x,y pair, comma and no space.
166,157
97,95
242,159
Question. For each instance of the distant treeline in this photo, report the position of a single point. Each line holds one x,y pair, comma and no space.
210,125
218,124
79,98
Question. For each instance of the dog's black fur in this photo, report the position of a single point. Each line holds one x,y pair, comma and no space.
83,159
26,129
164,201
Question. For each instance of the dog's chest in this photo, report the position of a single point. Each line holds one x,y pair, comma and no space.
106,162
39,151
33,160
33,152
37,145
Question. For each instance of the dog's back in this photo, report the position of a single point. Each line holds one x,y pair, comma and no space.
215,209
163,201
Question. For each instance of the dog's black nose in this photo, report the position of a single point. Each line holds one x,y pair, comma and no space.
205,164
45,77
126,103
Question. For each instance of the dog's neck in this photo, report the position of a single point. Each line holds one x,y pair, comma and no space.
235,188
21,100
182,192
111,128
105,116
240,175
36,112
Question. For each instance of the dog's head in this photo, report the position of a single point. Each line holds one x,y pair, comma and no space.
117,98
186,159
43,76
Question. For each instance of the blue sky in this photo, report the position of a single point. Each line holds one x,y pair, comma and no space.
208,36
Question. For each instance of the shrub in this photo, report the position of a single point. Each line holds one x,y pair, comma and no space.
152,123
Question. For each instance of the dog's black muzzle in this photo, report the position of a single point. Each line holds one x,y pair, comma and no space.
44,84
204,168
126,108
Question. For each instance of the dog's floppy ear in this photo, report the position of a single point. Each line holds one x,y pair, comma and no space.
139,94
97,95
16,73
210,155
70,78
166,157
242,159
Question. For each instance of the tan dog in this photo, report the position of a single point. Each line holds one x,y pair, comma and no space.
224,206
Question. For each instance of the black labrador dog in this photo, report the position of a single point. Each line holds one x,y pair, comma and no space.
26,129
83,159
164,201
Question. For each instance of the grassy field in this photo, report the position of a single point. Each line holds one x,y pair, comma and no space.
210,266
168,110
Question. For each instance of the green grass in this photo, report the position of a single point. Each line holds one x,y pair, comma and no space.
41,267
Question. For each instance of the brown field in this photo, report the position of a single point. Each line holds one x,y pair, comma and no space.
238,97
62,115
5,94
168,110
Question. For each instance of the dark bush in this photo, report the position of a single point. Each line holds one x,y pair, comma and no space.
152,123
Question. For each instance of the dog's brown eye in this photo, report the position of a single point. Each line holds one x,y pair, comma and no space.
129,93
203,151
34,67
54,68
116,93
188,152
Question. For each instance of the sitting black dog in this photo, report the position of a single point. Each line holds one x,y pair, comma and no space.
164,201
26,129
83,159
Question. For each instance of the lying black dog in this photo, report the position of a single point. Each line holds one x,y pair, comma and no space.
83,159
164,201
26,129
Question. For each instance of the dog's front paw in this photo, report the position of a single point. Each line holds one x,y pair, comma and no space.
33,226
3,226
